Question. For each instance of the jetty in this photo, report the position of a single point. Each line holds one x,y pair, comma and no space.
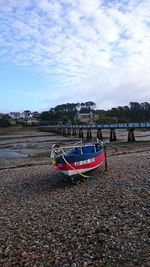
81,129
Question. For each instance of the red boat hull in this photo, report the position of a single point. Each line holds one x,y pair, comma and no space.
82,166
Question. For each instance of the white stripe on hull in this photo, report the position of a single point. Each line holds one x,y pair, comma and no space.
78,171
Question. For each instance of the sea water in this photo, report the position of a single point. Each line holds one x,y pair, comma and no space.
8,153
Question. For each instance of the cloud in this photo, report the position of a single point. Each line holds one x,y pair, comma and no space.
96,49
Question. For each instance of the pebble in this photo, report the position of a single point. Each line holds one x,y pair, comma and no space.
85,264
48,221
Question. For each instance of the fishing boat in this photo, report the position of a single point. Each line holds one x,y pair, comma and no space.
78,158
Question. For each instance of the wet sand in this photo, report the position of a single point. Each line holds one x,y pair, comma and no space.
46,220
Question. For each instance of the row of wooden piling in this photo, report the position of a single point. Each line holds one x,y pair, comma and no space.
74,132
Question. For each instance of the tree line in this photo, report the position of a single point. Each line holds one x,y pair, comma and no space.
134,112
65,113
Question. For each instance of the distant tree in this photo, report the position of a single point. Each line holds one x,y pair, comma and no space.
90,105
145,105
146,111
78,106
72,107
82,105
60,108
35,114
52,110
4,122
66,107
136,111
44,116
27,112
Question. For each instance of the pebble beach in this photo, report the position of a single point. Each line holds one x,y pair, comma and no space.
48,220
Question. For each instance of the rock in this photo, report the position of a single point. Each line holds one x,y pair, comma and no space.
24,254
101,237
50,237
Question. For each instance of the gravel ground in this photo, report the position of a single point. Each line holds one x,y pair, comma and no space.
46,220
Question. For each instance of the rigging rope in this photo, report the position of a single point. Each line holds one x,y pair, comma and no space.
85,176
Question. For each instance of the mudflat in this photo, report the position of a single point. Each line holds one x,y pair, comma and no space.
48,220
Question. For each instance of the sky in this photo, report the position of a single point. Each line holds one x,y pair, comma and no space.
68,51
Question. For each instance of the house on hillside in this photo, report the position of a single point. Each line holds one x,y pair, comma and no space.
32,121
26,114
86,117
35,115
24,117
14,115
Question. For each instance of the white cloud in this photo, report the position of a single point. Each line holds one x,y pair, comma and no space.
88,7
95,50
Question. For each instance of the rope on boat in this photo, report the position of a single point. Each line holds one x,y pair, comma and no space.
83,175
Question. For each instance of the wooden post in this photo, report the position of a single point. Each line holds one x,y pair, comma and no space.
68,131
112,135
81,133
105,153
89,135
64,131
73,131
99,134
131,136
